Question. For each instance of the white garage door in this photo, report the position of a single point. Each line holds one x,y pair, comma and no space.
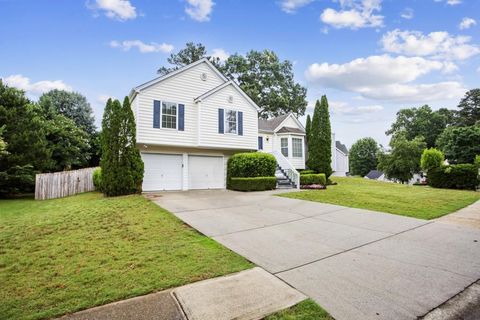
162,172
206,172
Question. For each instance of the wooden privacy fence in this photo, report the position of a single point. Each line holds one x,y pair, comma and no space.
63,184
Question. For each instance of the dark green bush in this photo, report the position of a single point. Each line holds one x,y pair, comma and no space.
253,184
307,179
251,164
307,172
460,176
97,179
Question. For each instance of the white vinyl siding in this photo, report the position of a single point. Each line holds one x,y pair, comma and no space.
181,89
297,148
284,146
209,136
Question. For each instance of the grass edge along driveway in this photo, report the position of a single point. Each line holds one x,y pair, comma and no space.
421,202
64,255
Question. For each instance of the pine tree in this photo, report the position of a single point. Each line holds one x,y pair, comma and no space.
122,167
320,141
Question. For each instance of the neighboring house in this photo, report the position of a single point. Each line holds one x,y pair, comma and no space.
340,162
188,123
380,176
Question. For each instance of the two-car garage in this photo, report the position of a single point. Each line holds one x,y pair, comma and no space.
182,171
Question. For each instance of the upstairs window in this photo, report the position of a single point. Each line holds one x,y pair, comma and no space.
284,146
169,115
297,148
230,121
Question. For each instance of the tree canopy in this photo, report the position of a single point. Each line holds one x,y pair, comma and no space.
72,105
403,161
460,144
421,122
468,112
363,156
320,141
261,74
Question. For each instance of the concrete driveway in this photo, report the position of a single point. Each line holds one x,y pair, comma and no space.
357,264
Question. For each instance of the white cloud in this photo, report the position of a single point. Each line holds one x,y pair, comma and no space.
343,108
438,45
291,6
450,2
199,10
385,78
141,46
220,54
478,69
407,13
115,9
467,23
354,14
103,98
35,88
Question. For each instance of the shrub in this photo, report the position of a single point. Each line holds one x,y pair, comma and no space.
431,159
477,161
97,179
307,172
307,179
460,176
252,164
253,184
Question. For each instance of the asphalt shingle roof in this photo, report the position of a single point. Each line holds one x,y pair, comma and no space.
340,146
271,124
374,174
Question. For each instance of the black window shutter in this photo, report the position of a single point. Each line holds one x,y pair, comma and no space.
220,121
260,143
181,117
156,114
240,123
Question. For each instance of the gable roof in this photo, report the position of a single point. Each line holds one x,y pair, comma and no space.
271,124
374,174
290,130
226,84
340,146
150,83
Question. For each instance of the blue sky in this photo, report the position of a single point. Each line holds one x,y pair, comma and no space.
370,57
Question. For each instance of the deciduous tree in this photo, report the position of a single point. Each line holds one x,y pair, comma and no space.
460,144
363,156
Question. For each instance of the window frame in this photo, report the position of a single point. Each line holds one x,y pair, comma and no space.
282,147
226,122
300,140
161,115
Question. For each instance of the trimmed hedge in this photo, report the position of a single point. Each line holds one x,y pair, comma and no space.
460,176
251,164
307,172
307,179
97,179
253,184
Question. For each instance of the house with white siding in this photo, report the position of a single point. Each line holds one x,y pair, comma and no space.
190,121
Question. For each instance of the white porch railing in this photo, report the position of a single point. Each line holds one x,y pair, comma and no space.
290,171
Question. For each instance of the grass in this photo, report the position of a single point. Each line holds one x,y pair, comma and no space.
413,201
64,255
305,310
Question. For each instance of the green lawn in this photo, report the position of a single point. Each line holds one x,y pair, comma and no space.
412,201
60,256
305,310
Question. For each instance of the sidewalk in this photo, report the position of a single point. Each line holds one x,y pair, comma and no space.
247,295
468,216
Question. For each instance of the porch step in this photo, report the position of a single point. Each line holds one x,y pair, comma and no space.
283,182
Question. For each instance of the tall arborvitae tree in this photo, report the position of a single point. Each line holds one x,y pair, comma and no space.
320,141
122,167
308,127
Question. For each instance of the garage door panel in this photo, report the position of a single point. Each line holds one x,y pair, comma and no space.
162,172
206,172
